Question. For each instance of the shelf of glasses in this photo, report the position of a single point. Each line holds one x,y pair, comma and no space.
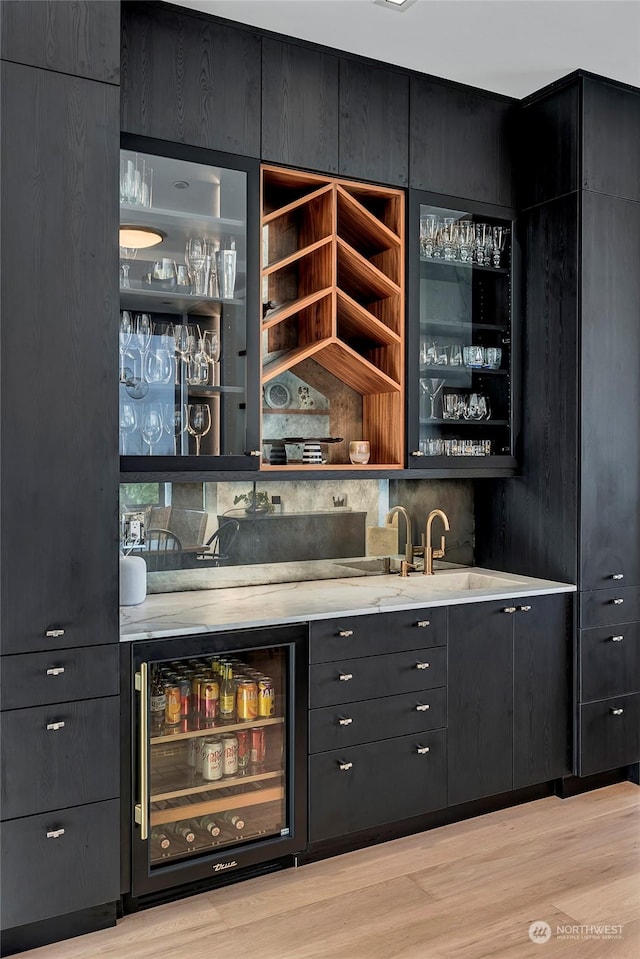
464,326
161,301
447,371
462,423
172,783
445,265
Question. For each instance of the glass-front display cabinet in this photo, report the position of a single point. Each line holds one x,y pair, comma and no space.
185,256
461,353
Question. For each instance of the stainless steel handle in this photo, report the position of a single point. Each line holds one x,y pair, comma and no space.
423,622
422,665
344,766
617,602
345,677
55,833
55,671
617,639
422,707
509,609
618,576
58,725
54,633
345,721
418,453
345,633
142,808
255,452
423,749
617,712
525,609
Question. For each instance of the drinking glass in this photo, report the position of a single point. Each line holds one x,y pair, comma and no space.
210,344
452,406
158,365
455,355
125,334
477,407
127,253
359,452
499,238
473,356
492,357
174,423
430,386
429,224
483,243
128,423
198,422
151,425
197,372
449,235
198,257
466,235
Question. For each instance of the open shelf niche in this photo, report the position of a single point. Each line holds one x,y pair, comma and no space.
333,268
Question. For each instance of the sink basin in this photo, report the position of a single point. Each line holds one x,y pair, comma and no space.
467,580
377,564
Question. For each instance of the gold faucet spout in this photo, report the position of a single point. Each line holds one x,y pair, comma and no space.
429,552
408,548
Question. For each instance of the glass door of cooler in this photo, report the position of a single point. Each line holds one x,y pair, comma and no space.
461,409
186,394
220,767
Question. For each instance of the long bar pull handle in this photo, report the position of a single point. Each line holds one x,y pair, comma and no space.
345,720
55,833
617,712
55,671
54,633
142,808
617,639
55,726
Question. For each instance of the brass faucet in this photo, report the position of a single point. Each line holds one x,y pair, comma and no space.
408,548
429,552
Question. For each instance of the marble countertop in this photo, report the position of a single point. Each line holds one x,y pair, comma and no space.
202,611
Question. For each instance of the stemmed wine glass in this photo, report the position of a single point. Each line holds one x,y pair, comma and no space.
128,423
126,253
431,386
210,344
151,425
126,332
198,422
174,423
198,257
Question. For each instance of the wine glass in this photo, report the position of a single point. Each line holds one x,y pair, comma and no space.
126,253
198,422
174,423
198,257
431,386
128,423
126,332
197,369
499,243
151,425
158,366
210,344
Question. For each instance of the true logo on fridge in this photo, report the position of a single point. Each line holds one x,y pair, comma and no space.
219,866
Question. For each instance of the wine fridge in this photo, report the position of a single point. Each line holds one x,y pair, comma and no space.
218,757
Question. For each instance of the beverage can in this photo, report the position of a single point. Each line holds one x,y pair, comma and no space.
209,701
258,747
212,759
185,696
243,749
230,755
193,752
247,700
172,707
266,697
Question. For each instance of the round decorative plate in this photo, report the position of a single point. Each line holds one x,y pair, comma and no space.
277,396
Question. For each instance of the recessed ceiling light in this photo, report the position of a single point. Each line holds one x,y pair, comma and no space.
399,5
181,184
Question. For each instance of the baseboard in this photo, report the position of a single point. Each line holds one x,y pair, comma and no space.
46,931
574,785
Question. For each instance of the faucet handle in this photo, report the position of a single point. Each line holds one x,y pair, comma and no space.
405,567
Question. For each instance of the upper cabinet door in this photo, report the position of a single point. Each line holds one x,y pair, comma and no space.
299,106
190,80
78,38
374,123
611,124
460,142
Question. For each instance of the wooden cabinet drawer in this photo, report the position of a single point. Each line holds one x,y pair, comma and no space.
609,734
352,789
69,674
48,876
334,727
351,636
609,661
50,768
602,607
351,680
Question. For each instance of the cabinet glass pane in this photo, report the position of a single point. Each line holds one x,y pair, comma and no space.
182,342
464,384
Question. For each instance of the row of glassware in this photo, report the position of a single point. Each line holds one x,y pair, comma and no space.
153,420
448,238
434,353
151,353
437,447
207,271
451,406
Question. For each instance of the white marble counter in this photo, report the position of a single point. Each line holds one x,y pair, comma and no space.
201,611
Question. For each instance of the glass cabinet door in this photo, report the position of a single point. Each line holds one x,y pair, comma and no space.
462,355
183,313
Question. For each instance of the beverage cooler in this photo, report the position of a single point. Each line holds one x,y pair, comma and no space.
218,755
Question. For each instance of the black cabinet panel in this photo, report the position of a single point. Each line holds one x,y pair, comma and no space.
67,674
352,789
354,679
81,38
374,123
611,124
190,80
460,142
352,636
480,727
541,686
55,875
548,146
49,768
609,734
299,106
604,607
610,488
59,470
337,726
609,661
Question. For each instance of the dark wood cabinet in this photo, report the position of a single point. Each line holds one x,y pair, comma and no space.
609,734
547,145
61,676
189,79
461,142
611,132
353,636
609,661
300,113
374,123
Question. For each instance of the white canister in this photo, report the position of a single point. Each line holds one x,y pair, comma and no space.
133,580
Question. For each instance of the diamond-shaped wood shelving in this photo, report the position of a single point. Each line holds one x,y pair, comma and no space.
333,263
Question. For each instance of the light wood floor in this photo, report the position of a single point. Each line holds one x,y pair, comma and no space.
467,890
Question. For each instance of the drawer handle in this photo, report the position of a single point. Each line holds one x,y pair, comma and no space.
345,721
617,712
617,639
54,633
422,623
422,665
423,749
525,609
55,833
417,453
344,766
58,725
617,602
422,707
618,576
55,671
345,677
509,609
345,633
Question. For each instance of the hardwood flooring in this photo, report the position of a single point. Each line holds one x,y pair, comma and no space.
469,890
